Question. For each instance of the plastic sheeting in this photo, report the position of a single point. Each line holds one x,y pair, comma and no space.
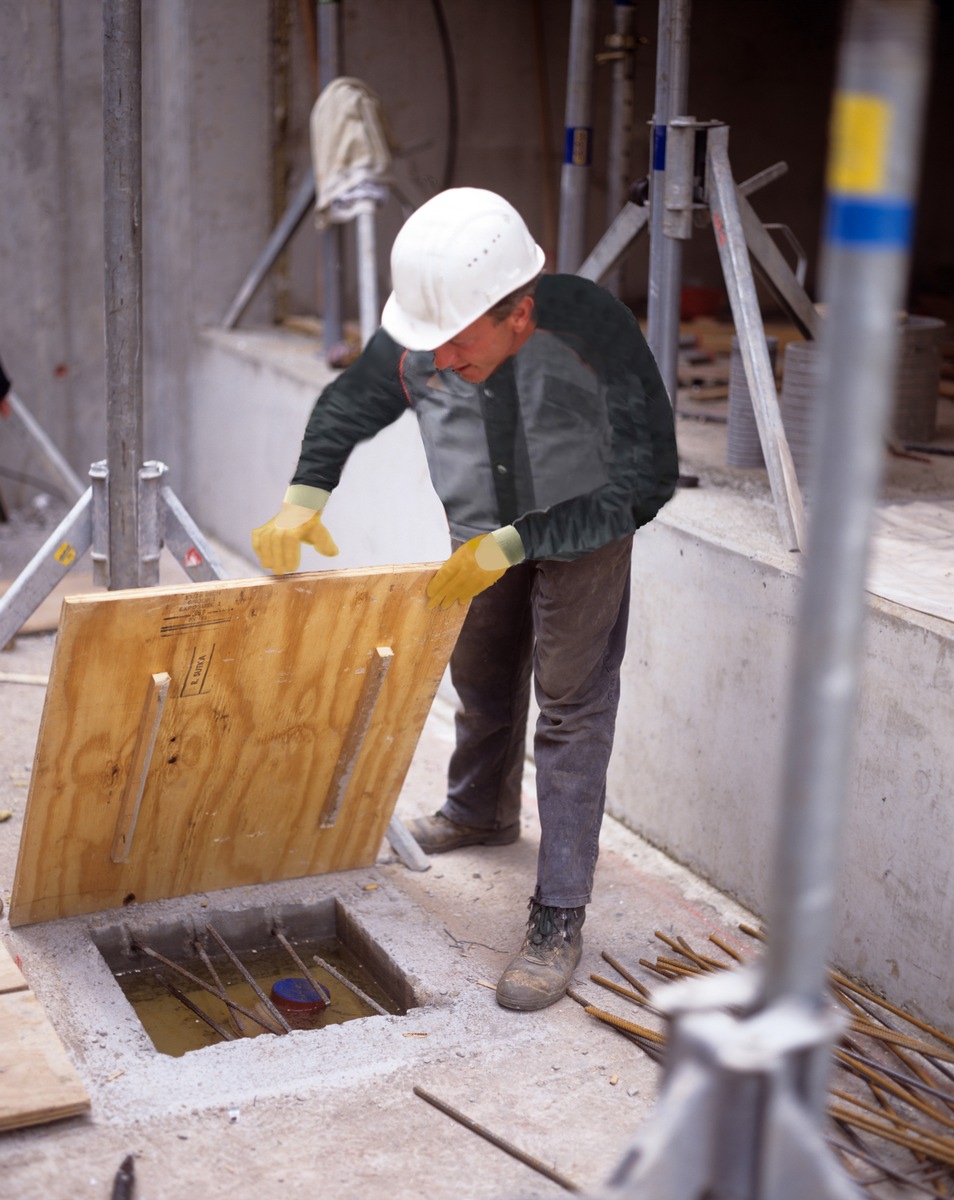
912,556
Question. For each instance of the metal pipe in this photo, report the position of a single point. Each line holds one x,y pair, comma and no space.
330,239
368,308
225,1034
619,169
122,222
219,995
352,987
665,253
872,177
249,978
507,1147
578,138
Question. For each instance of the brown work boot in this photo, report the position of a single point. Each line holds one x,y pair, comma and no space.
541,972
438,833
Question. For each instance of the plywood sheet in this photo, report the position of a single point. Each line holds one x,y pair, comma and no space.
11,980
38,1083
252,746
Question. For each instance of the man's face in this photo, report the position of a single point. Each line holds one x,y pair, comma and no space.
477,351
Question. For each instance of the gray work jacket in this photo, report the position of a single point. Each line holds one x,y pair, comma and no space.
571,440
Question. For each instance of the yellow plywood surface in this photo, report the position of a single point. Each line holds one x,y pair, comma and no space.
11,980
225,781
38,1083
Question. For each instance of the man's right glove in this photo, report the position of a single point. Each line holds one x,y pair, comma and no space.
277,543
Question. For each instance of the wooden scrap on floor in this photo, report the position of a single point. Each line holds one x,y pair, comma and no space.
278,713
38,1082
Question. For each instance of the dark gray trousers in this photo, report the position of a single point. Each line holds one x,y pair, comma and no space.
563,624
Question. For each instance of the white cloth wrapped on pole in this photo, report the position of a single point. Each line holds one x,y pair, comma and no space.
350,151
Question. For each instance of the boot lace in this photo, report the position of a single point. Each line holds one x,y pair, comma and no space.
546,925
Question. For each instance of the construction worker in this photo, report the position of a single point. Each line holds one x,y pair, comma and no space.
550,439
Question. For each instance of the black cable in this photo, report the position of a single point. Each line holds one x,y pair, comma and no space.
453,106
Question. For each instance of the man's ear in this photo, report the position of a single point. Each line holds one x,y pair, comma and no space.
522,315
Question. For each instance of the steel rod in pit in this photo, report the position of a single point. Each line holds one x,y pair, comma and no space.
246,975
352,987
499,1142
296,959
225,1034
217,980
223,996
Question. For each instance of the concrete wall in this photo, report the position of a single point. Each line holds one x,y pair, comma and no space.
227,91
697,769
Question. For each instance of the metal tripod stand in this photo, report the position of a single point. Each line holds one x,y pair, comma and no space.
698,179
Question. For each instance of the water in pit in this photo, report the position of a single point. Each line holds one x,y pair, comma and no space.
175,1030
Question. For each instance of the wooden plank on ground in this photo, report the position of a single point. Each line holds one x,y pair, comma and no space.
266,677
11,980
38,1082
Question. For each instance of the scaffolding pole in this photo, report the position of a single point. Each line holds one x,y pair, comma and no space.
665,249
744,1092
577,138
122,224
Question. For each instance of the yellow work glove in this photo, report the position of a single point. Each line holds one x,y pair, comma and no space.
474,567
277,543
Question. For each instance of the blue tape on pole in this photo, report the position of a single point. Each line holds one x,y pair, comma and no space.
659,147
883,224
578,145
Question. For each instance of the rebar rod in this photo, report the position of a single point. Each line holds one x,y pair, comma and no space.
216,979
293,953
726,948
855,1005
844,982
225,1034
627,975
618,988
915,1139
900,1077
352,987
219,995
873,1074
658,1039
252,982
499,1142
888,1171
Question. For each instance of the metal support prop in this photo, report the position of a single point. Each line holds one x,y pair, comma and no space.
578,138
122,221
369,309
743,1096
737,272
665,252
163,522
621,51
330,239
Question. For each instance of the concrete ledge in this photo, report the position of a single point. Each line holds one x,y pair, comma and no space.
697,767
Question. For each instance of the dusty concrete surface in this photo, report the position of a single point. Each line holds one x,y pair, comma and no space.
333,1111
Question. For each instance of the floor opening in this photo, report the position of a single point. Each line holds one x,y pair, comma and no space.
225,976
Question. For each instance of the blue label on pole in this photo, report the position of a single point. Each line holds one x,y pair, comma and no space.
659,147
578,145
878,224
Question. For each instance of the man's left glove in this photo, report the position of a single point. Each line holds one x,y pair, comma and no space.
475,566
278,542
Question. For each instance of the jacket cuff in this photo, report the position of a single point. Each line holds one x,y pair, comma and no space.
306,496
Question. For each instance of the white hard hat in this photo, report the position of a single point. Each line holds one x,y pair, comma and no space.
452,260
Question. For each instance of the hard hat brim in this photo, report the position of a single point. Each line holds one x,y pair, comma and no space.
414,334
